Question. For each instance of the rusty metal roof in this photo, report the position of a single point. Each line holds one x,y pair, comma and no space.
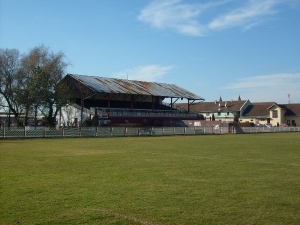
122,86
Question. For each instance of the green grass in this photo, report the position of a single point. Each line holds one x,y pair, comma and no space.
207,179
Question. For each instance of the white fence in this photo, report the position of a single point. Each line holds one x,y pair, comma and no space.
248,130
45,132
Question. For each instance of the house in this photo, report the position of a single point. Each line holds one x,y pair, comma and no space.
225,111
244,111
285,114
272,113
257,112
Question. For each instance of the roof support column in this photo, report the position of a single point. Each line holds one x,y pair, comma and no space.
109,97
108,100
81,115
153,99
131,102
188,105
82,106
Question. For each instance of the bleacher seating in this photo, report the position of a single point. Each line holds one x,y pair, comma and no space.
123,105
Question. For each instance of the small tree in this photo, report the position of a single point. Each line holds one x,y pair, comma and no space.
95,120
213,117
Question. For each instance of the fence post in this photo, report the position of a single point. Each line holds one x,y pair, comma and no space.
79,131
139,131
111,131
44,132
125,131
24,131
96,131
163,130
174,130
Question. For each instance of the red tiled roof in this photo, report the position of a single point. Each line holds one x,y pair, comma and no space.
225,106
292,109
263,103
253,110
258,109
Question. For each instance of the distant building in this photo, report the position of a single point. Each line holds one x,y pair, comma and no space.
285,113
225,111
104,101
256,113
244,111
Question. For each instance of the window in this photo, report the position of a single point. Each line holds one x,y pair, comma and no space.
288,122
274,114
207,113
227,113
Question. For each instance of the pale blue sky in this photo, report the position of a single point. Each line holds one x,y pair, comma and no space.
214,48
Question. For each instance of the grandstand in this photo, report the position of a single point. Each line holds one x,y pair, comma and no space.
119,101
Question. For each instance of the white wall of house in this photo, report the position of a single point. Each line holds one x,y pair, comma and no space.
224,116
277,115
207,115
69,114
247,120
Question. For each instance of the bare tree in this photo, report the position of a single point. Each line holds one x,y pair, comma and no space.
9,81
45,91
33,82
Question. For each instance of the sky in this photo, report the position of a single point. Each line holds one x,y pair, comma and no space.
220,48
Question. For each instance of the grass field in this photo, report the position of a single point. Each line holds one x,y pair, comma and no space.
207,179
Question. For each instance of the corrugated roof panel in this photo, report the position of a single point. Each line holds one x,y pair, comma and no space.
113,85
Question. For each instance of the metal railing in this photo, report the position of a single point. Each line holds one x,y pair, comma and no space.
116,112
45,132
152,114
248,130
